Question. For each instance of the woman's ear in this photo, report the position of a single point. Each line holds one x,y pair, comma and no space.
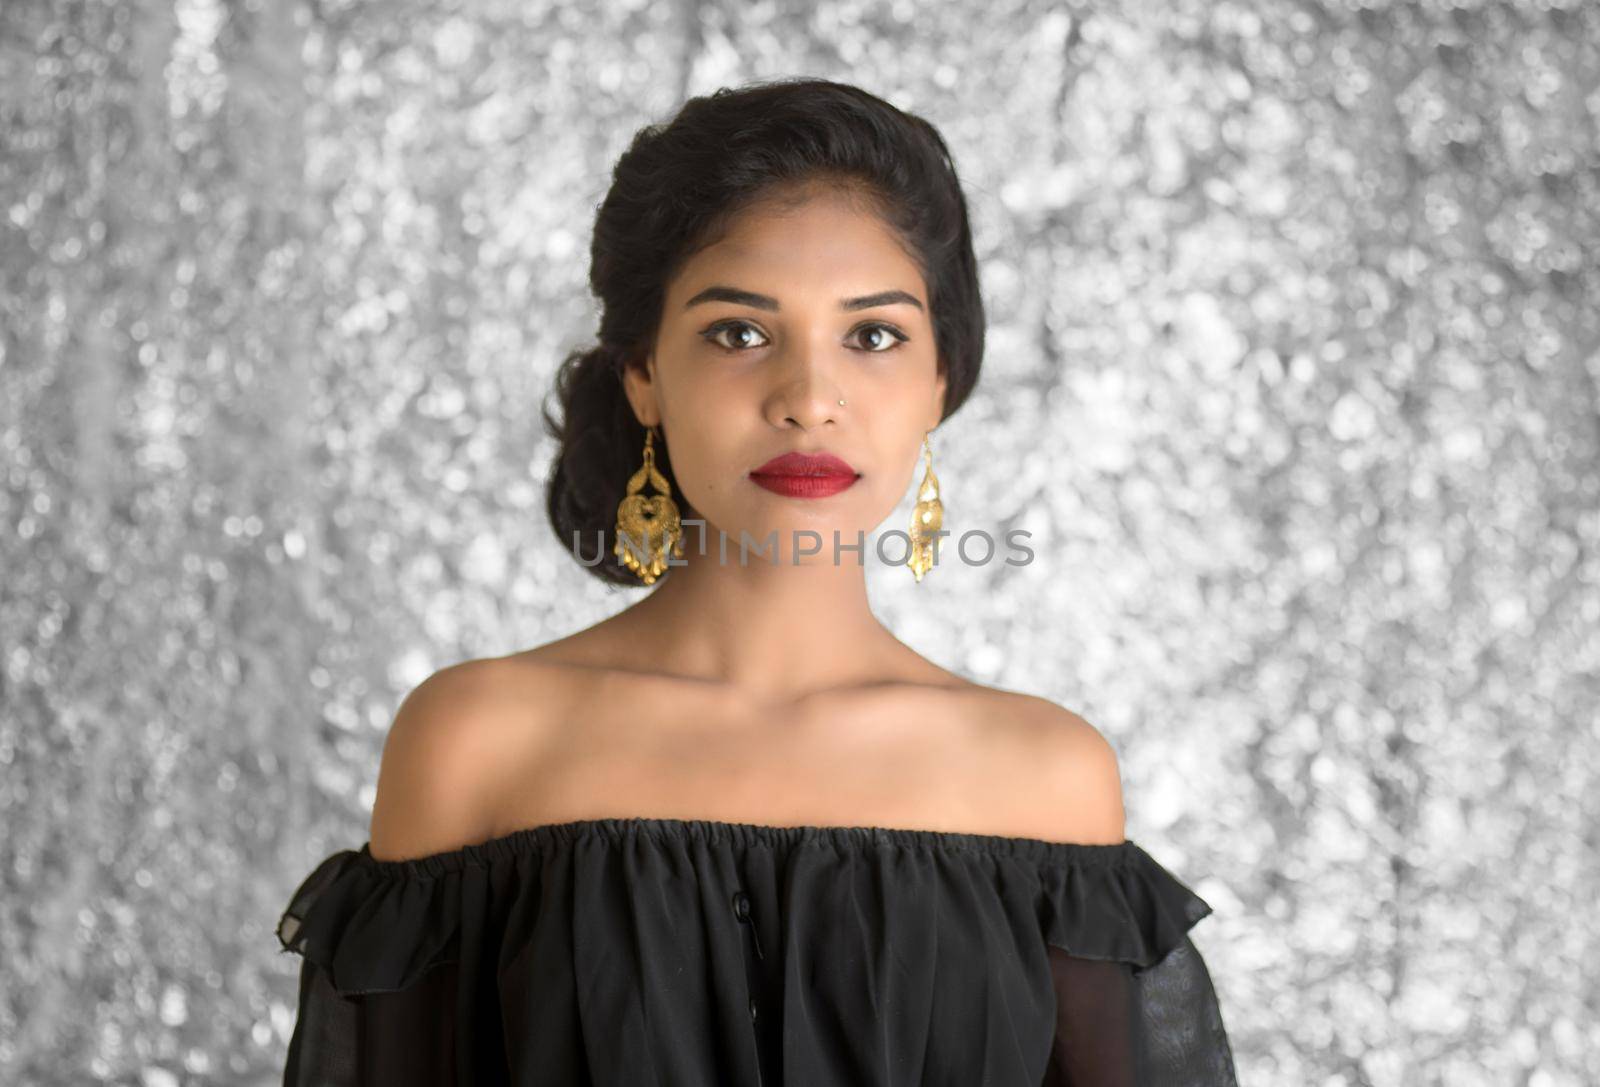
638,384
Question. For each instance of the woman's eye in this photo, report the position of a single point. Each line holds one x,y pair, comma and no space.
892,337
737,328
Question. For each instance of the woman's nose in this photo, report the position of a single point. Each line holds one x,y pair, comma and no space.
806,375
809,398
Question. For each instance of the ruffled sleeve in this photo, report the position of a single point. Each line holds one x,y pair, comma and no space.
396,982
1135,1005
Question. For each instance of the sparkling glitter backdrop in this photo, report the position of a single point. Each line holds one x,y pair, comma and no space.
1292,374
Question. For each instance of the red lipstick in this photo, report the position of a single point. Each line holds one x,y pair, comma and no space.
805,475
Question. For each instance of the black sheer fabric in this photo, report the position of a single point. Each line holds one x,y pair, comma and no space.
659,952
1118,1026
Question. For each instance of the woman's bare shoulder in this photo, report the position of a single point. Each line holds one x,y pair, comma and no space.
1064,768
451,746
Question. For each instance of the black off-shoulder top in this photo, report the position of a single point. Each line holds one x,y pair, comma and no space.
643,952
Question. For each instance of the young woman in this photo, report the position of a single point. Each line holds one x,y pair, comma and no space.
739,833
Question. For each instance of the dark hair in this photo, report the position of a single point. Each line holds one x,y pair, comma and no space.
675,191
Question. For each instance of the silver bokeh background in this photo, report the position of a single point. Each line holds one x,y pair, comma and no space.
1292,375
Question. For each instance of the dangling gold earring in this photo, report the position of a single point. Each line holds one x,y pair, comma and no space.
927,518
649,522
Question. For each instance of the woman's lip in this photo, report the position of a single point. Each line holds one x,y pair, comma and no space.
812,486
806,464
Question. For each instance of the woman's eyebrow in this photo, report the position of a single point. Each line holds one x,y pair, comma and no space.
720,293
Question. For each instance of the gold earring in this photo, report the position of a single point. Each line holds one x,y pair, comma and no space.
927,518
648,523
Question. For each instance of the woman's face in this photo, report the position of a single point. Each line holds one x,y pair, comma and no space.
761,336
